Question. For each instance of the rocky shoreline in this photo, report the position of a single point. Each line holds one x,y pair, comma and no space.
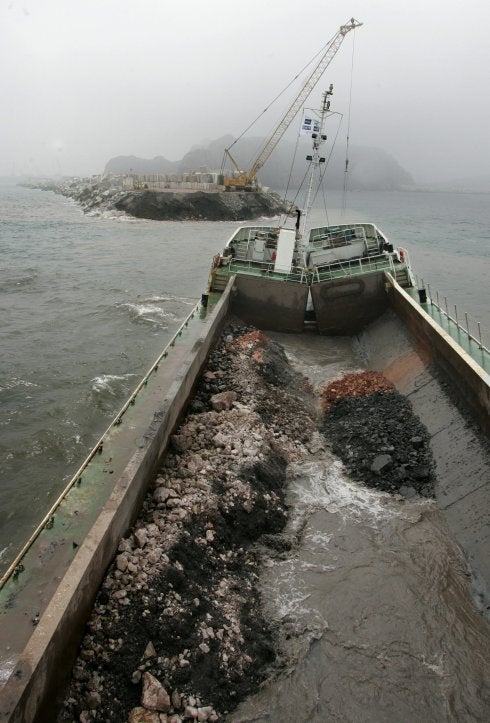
98,195
200,205
177,631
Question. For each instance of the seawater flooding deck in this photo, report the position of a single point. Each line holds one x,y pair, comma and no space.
463,494
372,603
459,446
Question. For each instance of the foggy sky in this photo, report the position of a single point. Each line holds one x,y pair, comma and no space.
81,82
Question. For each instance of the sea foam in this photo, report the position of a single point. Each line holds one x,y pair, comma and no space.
108,382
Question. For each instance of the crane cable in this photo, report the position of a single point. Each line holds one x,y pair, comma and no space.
322,174
344,190
320,183
302,183
291,168
322,50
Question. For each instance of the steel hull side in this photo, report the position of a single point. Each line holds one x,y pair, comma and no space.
268,304
60,580
345,306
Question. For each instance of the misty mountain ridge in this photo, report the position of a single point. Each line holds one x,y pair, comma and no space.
369,168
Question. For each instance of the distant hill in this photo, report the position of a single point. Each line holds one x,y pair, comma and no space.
133,164
369,168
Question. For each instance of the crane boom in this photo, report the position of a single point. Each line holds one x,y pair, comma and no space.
290,114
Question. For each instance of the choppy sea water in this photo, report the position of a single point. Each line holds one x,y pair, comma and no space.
87,303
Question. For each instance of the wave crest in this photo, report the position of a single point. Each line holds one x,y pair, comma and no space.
109,383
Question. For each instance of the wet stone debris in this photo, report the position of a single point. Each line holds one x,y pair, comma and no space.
177,631
375,432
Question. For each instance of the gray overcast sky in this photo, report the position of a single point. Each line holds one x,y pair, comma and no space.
82,81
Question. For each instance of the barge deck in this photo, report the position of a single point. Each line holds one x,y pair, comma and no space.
46,599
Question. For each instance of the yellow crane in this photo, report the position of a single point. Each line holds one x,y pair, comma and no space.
244,179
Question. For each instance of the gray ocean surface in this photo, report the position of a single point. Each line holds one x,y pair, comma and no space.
373,603
88,302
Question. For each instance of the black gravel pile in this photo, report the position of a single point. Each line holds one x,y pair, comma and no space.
382,443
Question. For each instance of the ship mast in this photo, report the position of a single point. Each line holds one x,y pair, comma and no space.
250,177
318,139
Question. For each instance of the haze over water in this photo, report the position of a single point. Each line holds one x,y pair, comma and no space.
94,80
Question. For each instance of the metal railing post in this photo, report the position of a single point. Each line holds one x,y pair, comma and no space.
443,309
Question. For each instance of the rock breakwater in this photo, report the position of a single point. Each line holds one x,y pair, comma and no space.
200,205
95,195
104,194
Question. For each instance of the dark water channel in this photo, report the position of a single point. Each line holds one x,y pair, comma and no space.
379,615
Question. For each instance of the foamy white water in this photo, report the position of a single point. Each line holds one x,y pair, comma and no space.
373,613
109,382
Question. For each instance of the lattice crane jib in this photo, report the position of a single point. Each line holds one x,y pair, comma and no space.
305,91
